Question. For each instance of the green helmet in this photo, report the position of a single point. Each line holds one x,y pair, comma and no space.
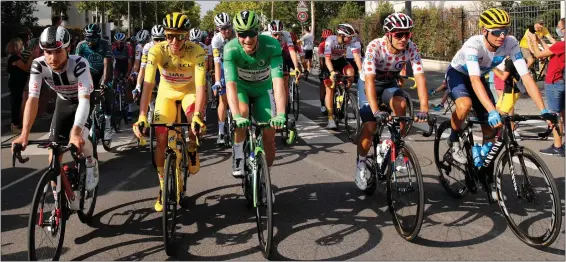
245,20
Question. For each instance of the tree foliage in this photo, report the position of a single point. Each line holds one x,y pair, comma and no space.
17,13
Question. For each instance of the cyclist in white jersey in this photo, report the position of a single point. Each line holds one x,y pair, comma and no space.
385,59
466,82
225,34
308,46
157,35
334,51
69,76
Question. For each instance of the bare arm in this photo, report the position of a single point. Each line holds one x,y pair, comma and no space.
232,94
30,113
279,93
422,91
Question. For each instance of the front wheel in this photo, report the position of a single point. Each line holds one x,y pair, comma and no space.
88,198
263,204
337,104
351,117
169,200
410,111
405,193
47,220
452,175
530,203
295,100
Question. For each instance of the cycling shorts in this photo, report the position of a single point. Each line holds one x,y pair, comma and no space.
165,104
64,118
262,99
340,65
459,85
308,54
385,92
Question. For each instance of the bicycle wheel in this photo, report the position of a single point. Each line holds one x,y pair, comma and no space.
152,144
452,175
47,216
295,101
336,106
184,202
169,200
88,198
408,112
351,117
105,143
116,112
406,219
535,195
264,205
228,132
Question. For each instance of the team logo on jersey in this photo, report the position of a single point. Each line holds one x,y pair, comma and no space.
518,56
473,58
270,46
215,52
261,63
166,65
497,60
399,65
80,68
182,66
94,58
369,57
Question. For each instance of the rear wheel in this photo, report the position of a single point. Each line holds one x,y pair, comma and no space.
337,106
405,193
264,205
408,112
116,112
295,100
88,199
169,200
46,221
351,117
452,175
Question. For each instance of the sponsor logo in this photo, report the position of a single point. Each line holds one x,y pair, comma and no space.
271,46
369,57
215,52
231,49
80,68
497,60
518,56
182,66
492,153
201,55
176,74
472,58
94,58
200,64
399,65
261,63
253,75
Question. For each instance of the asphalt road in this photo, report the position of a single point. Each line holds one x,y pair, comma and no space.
319,212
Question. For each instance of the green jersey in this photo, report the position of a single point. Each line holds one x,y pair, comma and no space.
253,70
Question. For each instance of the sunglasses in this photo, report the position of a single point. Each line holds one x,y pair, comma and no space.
249,33
227,27
498,32
159,39
400,35
179,37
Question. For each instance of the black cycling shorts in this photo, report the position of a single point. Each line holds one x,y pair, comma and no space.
64,118
308,54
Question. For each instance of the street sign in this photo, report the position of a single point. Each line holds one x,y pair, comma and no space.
302,7
302,16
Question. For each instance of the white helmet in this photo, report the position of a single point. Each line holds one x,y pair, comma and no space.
222,19
54,37
142,36
275,26
195,35
345,29
157,32
397,21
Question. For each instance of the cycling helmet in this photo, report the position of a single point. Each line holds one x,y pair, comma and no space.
195,35
276,26
245,20
54,37
221,20
92,30
157,32
142,36
326,33
176,21
346,29
119,36
397,21
494,17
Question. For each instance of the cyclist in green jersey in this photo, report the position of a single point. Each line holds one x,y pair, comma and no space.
253,69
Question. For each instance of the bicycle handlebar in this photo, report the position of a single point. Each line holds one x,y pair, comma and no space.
518,118
431,124
17,150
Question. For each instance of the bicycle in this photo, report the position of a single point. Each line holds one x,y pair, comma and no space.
256,183
539,68
341,102
393,164
98,124
176,173
501,154
120,107
68,194
293,98
410,110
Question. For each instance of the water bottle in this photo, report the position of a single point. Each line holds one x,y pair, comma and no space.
476,155
379,157
485,149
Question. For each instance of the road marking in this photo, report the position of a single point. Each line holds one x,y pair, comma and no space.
129,178
5,94
312,133
23,178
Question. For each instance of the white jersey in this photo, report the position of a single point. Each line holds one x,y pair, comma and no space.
75,80
145,51
474,59
335,51
356,44
308,41
139,50
380,62
284,40
217,45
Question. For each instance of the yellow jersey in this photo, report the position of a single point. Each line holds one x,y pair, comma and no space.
542,33
178,72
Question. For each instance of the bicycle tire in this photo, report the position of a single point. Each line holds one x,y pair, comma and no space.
335,110
352,129
409,112
39,198
265,241
184,202
116,113
443,168
371,165
550,236
169,200
411,232
86,217
228,130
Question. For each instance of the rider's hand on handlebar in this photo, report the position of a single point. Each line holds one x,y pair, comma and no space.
197,120
494,119
141,120
241,122
23,140
278,121
421,117
297,74
216,86
549,117
77,140
381,117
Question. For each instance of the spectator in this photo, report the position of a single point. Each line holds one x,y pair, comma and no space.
539,30
18,72
554,86
74,44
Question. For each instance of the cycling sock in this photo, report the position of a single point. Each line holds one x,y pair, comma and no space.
239,150
221,128
329,113
361,159
160,173
454,135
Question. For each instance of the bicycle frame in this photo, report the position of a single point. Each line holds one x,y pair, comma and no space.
255,135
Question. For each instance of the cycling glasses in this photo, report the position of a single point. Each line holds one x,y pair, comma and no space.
400,35
498,32
179,37
226,27
249,33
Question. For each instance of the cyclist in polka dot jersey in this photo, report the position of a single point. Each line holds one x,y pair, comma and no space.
385,58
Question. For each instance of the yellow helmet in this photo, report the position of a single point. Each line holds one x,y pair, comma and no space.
494,17
176,21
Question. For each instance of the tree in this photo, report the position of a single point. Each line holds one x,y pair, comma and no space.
59,8
207,22
349,12
19,13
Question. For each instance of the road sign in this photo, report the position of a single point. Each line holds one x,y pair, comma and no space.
302,16
302,7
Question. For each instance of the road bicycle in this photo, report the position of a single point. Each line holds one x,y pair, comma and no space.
293,98
395,163
345,107
518,185
98,123
120,107
539,68
60,192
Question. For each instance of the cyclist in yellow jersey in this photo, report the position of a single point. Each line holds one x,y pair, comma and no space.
181,64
